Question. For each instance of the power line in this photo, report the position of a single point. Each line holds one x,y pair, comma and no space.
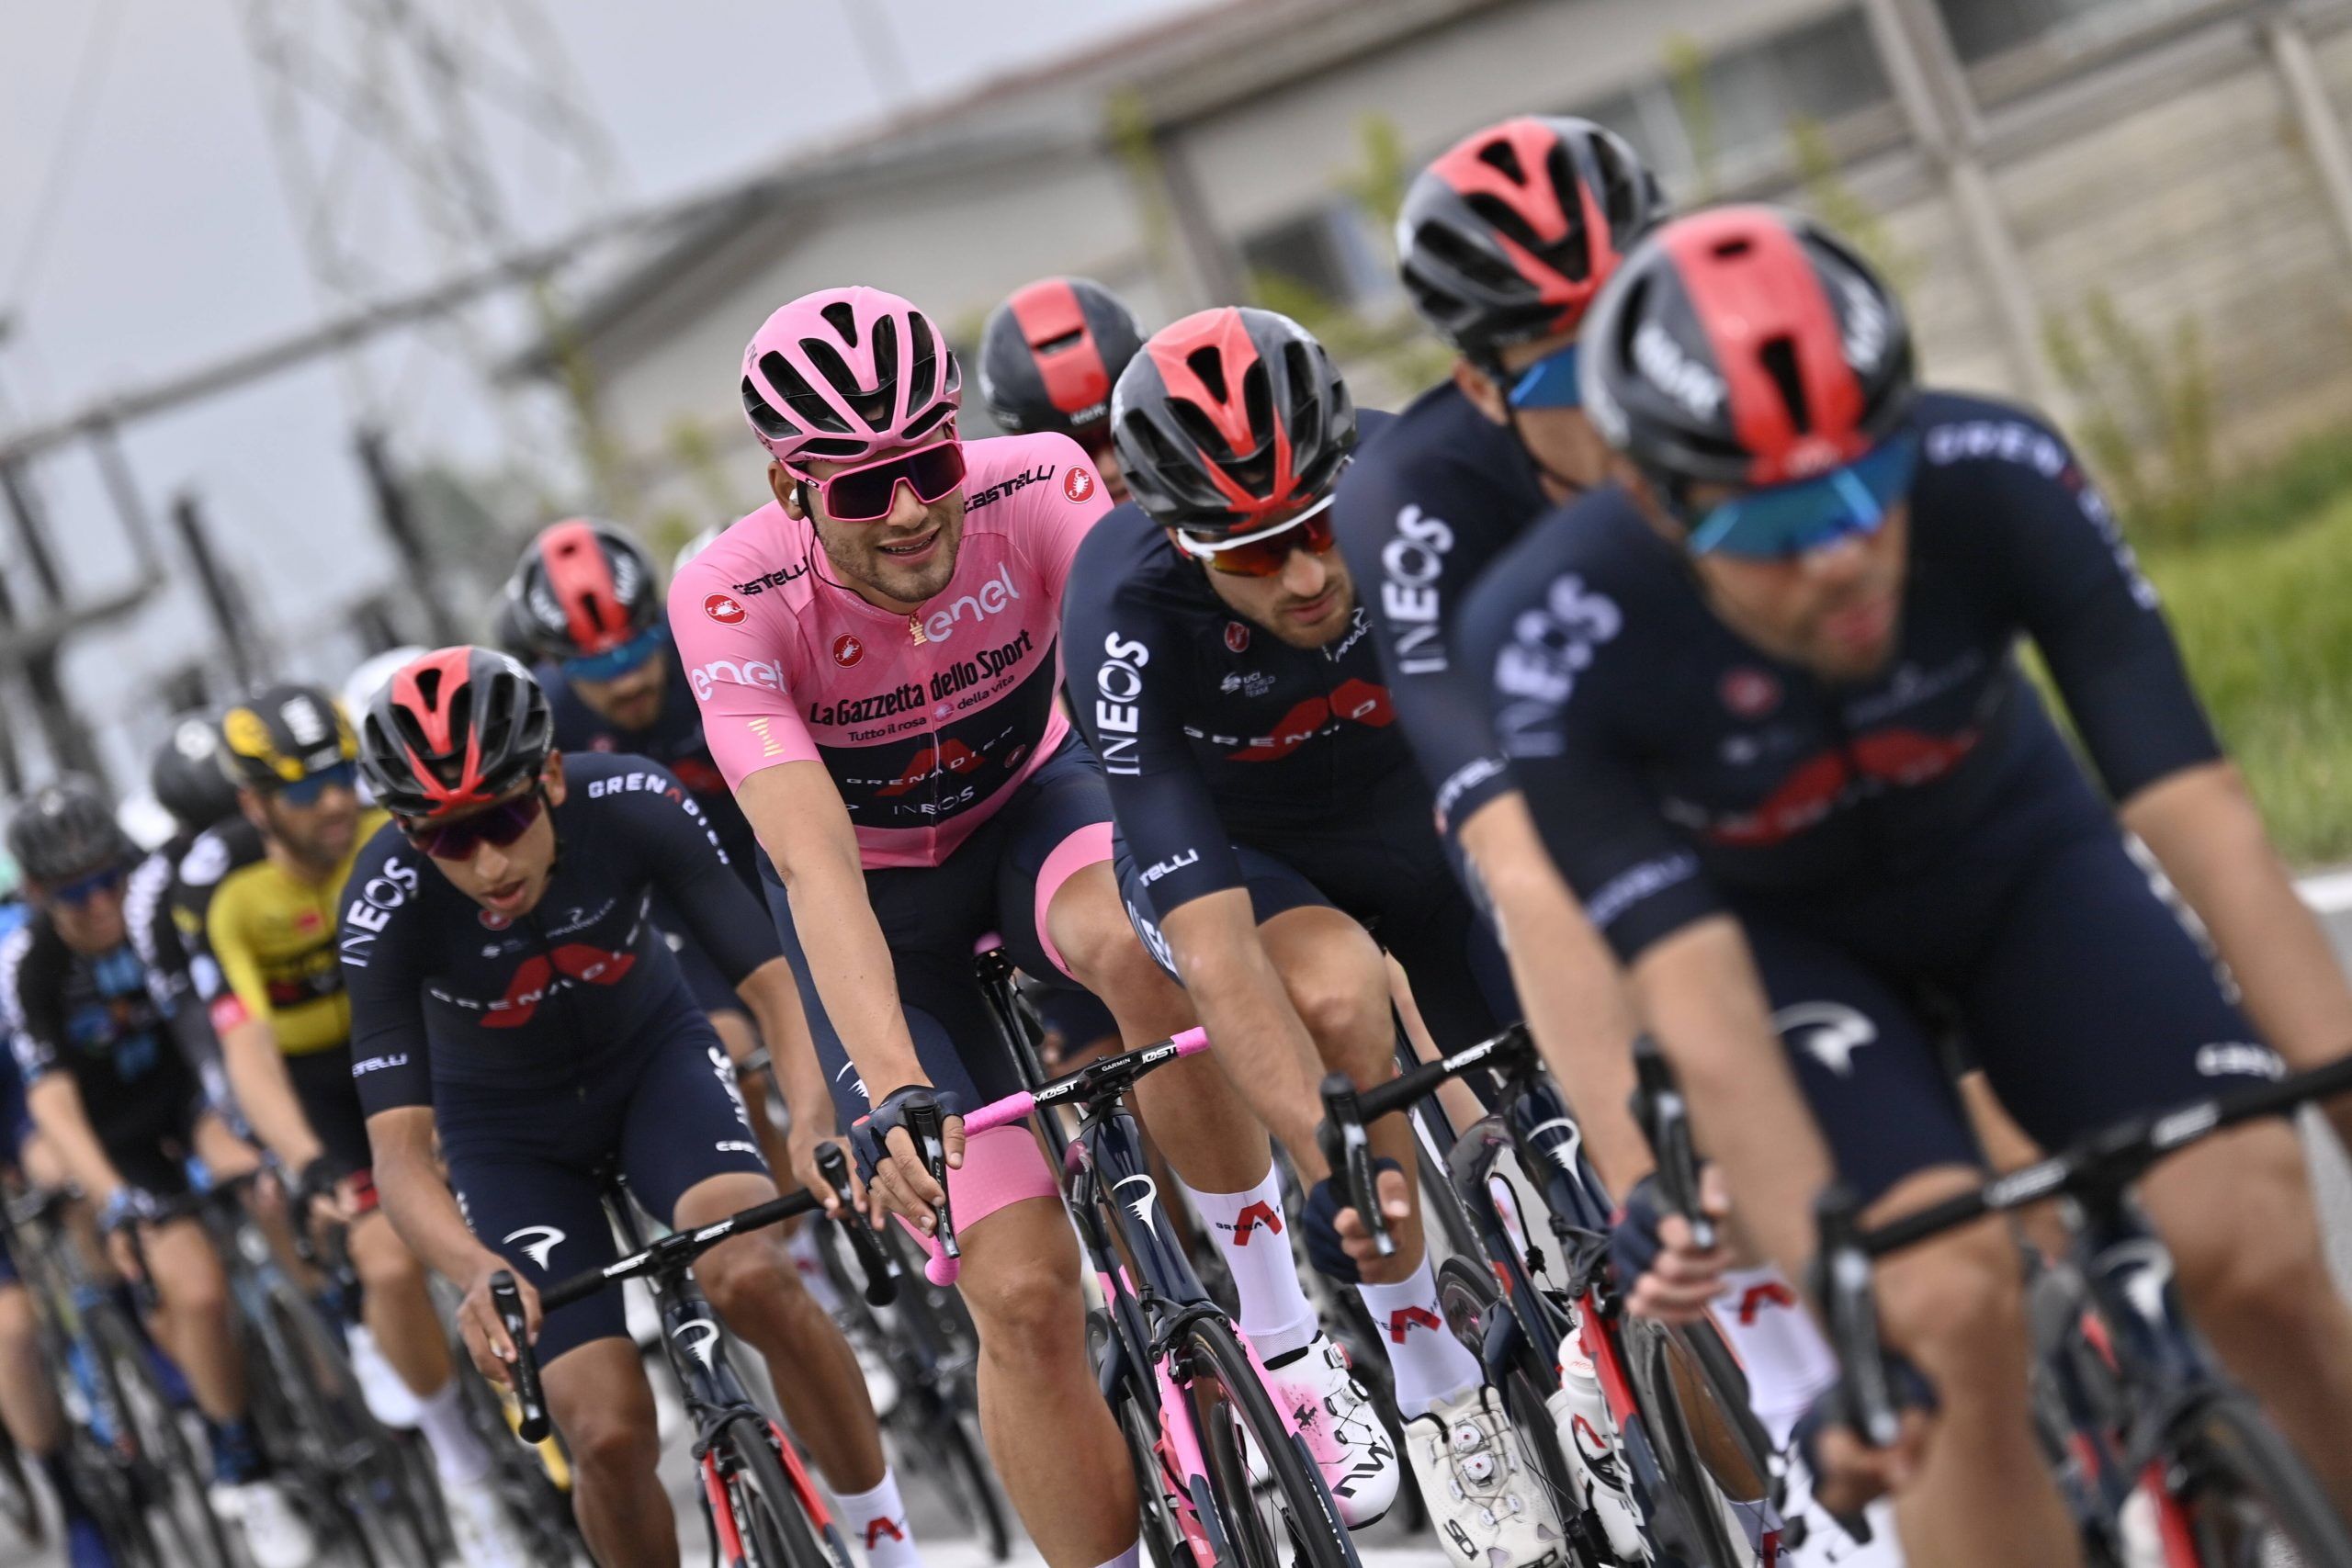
81,103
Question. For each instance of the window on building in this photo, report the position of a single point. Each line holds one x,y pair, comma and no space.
1330,254
1982,29
1734,127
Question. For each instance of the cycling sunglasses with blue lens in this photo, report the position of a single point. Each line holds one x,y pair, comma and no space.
82,889
306,791
614,662
1549,383
1782,521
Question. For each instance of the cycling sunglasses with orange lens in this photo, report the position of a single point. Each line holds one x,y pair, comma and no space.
864,495
1265,552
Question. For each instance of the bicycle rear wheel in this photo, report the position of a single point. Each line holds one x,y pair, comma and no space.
168,1470
771,1523
354,1454
1700,1435
2248,1501
972,1484
1290,1518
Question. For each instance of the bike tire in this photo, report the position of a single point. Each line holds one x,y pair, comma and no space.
1163,1537
1674,1389
17,1506
775,1529
358,1462
106,1485
193,1533
2231,1468
539,1506
1225,1399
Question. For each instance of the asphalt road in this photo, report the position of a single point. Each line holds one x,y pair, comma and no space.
947,1544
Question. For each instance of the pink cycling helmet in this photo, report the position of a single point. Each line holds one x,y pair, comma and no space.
844,372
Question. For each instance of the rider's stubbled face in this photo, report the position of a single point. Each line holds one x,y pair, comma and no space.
319,834
896,562
1306,604
1834,610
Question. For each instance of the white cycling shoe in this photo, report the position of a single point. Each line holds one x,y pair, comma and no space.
483,1535
1335,1417
1826,1543
389,1399
1489,1506
277,1536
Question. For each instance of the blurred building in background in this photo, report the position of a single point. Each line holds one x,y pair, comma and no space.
2143,205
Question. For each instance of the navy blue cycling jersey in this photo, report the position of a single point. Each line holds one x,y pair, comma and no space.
1421,511
1212,730
1670,764
105,1020
446,994
674,739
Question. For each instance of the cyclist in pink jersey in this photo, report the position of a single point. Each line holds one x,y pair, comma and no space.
875,656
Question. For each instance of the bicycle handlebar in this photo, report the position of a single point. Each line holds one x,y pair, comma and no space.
2106,1160
881,1272
1347,1110
1104,1078
1665,1117
523,1371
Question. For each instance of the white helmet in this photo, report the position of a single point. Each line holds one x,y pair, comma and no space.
359,687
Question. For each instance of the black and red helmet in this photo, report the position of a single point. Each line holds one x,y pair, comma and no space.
581,589
1229,420
458,728
1507,236
1050,354
1746,346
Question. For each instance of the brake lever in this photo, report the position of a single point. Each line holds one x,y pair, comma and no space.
1347,1148
523,1373
881,1271
929,1130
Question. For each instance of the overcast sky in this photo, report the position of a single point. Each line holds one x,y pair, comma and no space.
149,231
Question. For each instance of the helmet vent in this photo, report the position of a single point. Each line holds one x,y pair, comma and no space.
843,320
765,420
1737,246
1501,155
1207,364
1780,357
799,395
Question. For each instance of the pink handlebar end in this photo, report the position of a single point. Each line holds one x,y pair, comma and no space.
1191,1043
943,1270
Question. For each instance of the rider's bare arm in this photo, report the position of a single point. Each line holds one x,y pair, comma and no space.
1568,979
1699,989
409,1185
797,813
55,1103
264,1091
1243,1004
2206,834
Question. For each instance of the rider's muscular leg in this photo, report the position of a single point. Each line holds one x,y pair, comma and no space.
1055,1443
1198,1118
1955,1307
757,1292
603,1407
27,1399
198,1327
397,1306
2237,1214
1338,982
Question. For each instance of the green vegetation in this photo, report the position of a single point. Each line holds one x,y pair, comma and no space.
2260,614
2147,415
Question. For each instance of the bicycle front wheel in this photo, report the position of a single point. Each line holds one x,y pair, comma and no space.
1709,1452
170,1475
2246,1499
1289,1517
771,1524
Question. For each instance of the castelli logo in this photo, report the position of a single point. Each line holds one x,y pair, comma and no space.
847,651
723,608
1750,692
1078,484
1237,637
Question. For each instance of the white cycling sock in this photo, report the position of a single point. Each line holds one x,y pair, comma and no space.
459,1452
1249,1227
878,1521
1787,1363
809,1262
1429,1362
1130,1558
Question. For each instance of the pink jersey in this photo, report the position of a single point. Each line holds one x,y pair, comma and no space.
926,723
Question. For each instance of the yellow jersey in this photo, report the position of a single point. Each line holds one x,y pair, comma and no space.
274,938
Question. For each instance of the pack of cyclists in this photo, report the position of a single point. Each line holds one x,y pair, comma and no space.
1655,674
